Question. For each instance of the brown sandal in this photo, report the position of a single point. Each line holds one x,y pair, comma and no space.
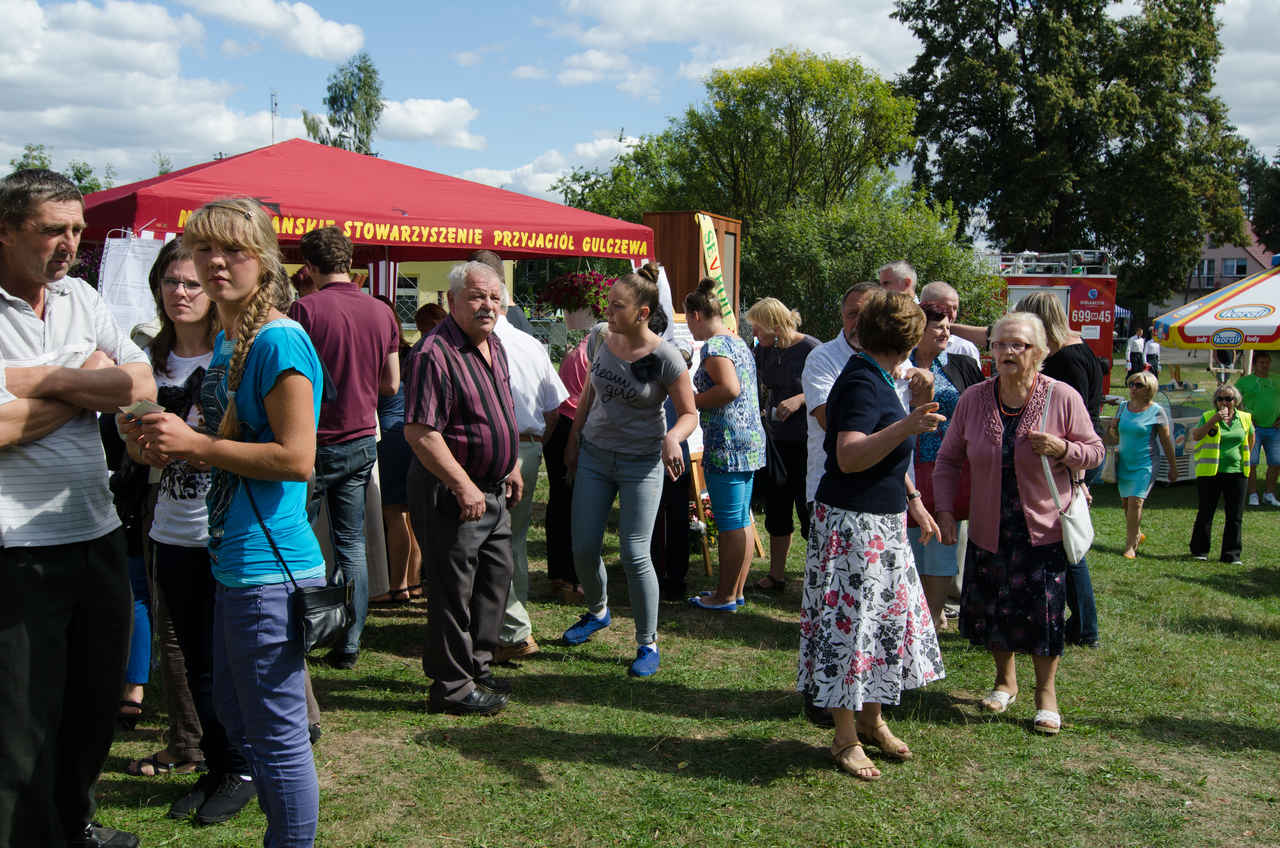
854,766
881,737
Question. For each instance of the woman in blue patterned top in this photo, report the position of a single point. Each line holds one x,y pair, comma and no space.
732,439
952,374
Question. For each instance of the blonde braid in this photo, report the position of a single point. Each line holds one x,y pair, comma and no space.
252,319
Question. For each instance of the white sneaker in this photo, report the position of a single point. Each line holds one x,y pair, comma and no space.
1271,500
1253,499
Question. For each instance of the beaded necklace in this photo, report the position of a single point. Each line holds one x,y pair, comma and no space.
883,373
1004,410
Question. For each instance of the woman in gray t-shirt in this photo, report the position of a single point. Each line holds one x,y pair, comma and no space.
620,446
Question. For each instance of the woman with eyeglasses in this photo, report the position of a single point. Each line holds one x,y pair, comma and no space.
952,374
1014,596
1224,440
1139,426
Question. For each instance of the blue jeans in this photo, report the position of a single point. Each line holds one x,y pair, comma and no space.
139,669
259,688
1082,626
636,480
342,475
730,493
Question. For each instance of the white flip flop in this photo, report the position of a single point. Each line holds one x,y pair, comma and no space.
1046,715
1001,697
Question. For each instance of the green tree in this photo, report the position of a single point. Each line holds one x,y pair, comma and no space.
81,173
1051,125
807,258
164,165
1263,196
33,156
797,130
355,104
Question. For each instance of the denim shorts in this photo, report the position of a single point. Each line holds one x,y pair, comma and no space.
730,493
1266,438
934,559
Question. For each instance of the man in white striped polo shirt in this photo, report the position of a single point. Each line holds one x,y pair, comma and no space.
65,603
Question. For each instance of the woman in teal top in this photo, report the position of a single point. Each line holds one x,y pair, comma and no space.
1139,425
1224,438
732,439
261,402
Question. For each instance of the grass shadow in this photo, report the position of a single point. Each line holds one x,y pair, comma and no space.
1257,582
1206,734
1225,628
521,752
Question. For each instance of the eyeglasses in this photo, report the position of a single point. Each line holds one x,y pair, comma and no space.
1224,400
169,284
936,311
1012,347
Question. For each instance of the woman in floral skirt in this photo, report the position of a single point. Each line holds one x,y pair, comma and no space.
865,631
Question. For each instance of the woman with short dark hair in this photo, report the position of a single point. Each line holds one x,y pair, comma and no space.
865,633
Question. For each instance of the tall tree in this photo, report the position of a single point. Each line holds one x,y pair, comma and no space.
796,130
80,173
33,156
1263,196
355,104
1054,125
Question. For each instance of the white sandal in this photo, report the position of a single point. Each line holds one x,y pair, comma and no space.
1046,715
1001,697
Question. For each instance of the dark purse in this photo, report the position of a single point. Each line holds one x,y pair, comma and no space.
327,612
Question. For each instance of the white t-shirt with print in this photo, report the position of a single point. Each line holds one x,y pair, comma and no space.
181,517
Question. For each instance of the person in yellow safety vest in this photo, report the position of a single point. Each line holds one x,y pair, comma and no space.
1224,440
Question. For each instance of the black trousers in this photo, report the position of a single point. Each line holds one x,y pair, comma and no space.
185,576
779,501
1136,364
65,612
466,575
669,547
559,506
1231,488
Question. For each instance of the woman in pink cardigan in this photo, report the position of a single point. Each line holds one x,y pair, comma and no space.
1014,594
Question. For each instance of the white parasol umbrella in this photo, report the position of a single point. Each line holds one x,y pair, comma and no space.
1244,315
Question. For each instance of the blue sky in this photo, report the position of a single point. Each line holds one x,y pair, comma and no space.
506,93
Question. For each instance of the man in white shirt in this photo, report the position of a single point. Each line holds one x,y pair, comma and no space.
1136,352
1152,352
538,393
65,602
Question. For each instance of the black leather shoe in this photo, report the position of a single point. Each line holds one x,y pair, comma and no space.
97,836
343,660
493,685
479,702
228,800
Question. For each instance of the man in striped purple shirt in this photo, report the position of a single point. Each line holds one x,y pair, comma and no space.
460,421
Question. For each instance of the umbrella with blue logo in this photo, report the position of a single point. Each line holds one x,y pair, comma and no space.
1244,315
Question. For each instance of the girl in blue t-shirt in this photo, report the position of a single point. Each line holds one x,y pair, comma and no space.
261,399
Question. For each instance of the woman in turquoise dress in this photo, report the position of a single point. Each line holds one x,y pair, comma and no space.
733,446
1139,425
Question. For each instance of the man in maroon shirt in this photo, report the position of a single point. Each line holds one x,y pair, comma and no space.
358,340
460,421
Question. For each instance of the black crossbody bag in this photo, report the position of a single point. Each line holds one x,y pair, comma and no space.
327,612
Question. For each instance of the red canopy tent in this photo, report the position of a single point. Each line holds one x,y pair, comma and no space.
390,211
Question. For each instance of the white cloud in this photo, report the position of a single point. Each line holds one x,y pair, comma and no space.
530,72
297,26
537,177
1248,77
594,66
441,122
732,33
468,58
118,95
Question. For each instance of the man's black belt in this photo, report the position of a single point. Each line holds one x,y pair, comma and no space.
492,488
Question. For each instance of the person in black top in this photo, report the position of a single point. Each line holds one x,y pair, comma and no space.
866,634
1071,361
780,357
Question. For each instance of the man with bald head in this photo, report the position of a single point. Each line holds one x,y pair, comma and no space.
460,422
944,298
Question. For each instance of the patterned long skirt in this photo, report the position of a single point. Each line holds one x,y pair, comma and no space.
865,630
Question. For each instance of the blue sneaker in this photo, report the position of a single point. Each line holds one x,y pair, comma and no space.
742,601
646,663
701,603
586,627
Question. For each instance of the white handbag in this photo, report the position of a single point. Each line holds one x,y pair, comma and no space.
1077,525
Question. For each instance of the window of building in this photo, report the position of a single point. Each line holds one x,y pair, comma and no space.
407,300
1235,267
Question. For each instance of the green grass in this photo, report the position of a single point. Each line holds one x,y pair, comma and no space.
1170,733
